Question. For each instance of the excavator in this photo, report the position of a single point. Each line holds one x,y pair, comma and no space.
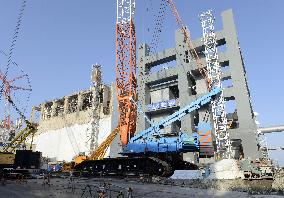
149,152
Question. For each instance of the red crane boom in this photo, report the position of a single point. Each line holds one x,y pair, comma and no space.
126,68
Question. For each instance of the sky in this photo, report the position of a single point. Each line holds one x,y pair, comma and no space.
59,40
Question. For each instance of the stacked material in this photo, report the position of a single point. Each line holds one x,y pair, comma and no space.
225,169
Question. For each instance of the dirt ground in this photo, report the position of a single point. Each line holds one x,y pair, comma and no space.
81,187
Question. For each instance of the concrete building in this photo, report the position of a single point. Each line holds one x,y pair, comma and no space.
65,124
169,80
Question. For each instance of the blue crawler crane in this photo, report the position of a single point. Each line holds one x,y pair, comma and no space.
151,152
152,140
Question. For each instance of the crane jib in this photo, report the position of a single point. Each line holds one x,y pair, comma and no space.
177,115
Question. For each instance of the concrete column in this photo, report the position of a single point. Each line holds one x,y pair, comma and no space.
42,112
53,108
184,66
115,147
247,126
80,102
142,88
66,105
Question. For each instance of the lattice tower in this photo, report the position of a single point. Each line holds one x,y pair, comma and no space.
126,68
214,73
96,86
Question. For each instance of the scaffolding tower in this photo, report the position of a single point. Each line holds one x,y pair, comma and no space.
96,86
223,147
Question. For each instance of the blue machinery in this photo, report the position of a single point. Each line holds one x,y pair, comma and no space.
152,152
152,140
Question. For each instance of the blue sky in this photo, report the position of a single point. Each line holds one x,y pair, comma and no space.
60,40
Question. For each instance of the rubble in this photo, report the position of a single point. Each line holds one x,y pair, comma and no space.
225,169
278,183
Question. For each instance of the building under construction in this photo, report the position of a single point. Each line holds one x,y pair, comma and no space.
67,122
182,110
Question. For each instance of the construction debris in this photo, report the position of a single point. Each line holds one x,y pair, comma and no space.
225,169
278,183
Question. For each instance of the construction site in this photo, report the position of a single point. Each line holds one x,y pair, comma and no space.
171,120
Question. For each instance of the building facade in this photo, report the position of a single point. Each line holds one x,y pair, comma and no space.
169,80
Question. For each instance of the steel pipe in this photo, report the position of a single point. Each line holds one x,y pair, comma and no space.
272,129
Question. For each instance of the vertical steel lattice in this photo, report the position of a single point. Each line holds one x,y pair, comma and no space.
126,68
96,86
214,73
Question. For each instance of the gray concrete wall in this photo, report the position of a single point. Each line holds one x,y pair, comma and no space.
191,85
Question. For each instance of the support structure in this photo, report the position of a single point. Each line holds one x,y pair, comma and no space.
164,90
214,75
126,68
96,85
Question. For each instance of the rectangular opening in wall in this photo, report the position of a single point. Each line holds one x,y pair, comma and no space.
225,69
72,104
188,57
163,66
36,115
225,66
221,45
227,83
59,109
176,126
174,92
191,85
47,110
232,114
87,101
221,48
200,87
159,95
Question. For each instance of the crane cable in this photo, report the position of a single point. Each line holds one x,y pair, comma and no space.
28,88
13,43
159,24
187,39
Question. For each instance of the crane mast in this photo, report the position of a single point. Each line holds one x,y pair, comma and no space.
126,68
214,75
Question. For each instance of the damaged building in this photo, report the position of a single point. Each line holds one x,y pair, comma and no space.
77,123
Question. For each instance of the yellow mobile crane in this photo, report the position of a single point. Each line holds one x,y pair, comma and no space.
7,156
100,152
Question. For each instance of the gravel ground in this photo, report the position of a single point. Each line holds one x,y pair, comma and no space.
89,187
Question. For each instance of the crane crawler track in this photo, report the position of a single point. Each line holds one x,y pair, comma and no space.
135,166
